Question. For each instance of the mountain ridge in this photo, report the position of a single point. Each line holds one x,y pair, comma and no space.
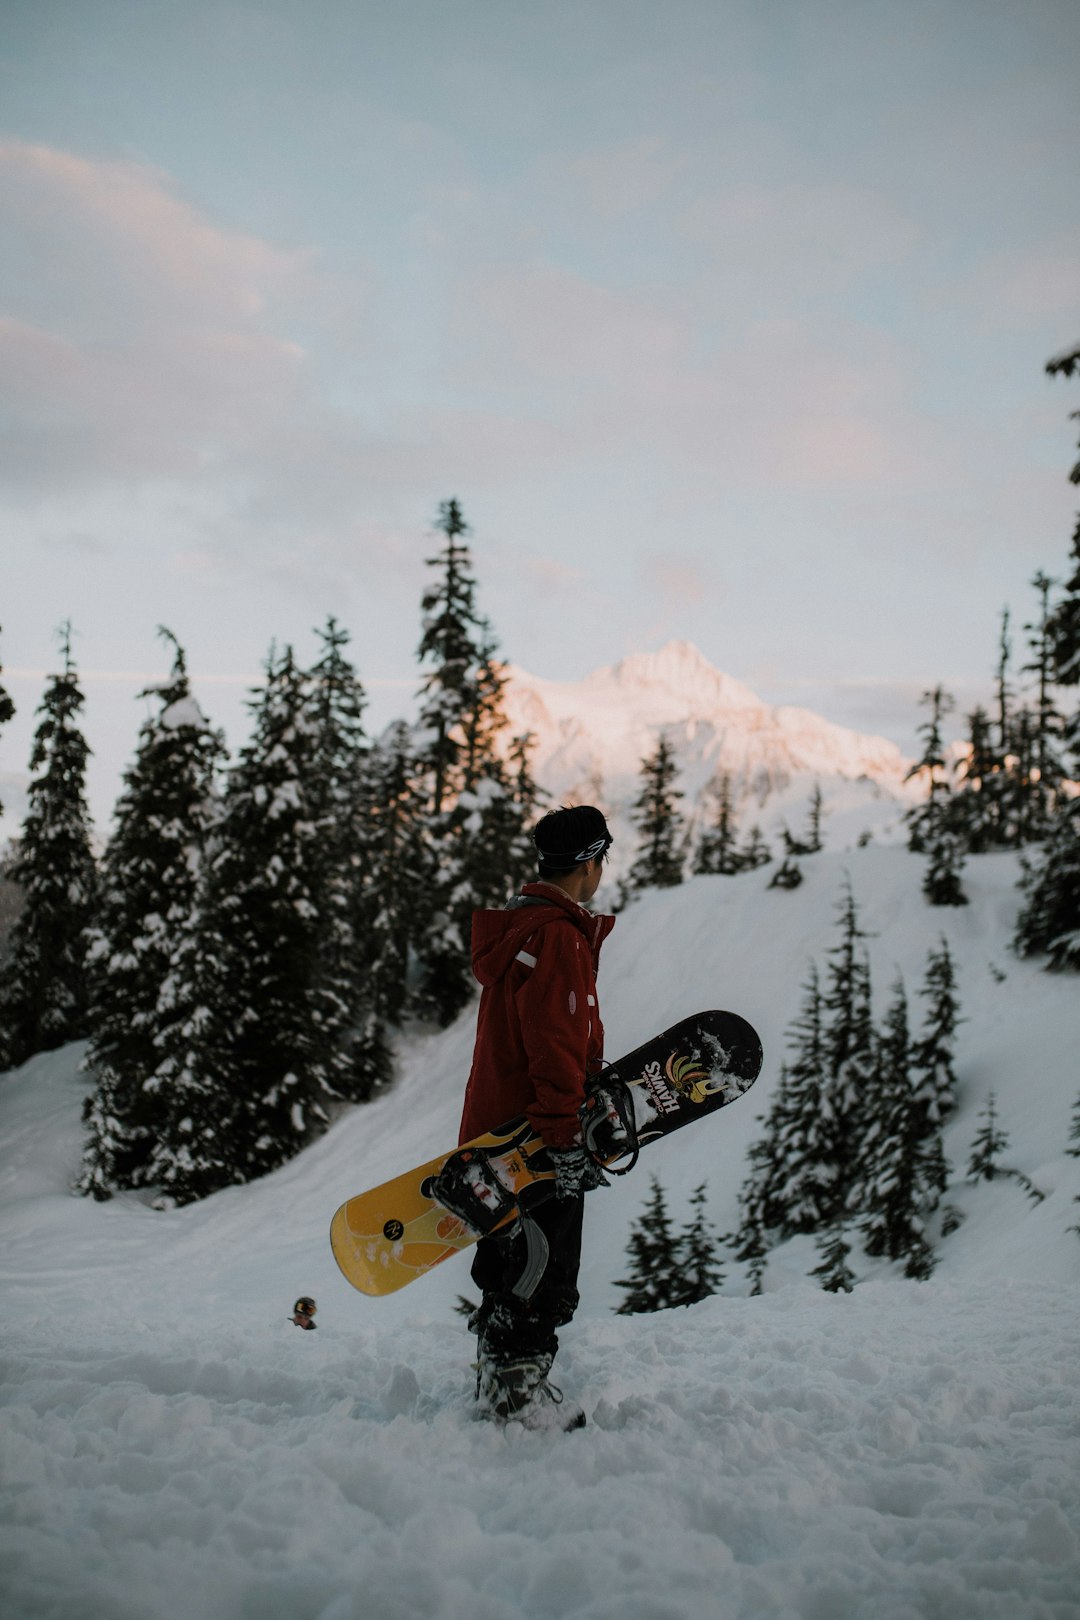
590,737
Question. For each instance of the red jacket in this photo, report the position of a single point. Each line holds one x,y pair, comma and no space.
538,1032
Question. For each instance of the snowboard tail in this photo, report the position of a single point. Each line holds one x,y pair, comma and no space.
385,1238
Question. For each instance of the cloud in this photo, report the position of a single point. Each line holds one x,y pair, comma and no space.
799,403
620,179
134,332
792,247
1038,283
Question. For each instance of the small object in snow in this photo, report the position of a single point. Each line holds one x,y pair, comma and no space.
304,1312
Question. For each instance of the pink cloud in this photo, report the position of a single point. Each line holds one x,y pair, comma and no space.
148,344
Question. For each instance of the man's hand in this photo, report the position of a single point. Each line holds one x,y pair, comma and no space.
576,1171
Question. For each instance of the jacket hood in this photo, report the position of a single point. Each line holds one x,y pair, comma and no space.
497,936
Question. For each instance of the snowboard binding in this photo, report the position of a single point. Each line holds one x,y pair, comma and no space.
469,1186
608,1125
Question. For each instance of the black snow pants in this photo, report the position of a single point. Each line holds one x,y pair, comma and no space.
514,1329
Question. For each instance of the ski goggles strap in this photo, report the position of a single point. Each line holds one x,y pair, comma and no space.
562,861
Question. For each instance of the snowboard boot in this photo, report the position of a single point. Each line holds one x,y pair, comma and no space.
519,1392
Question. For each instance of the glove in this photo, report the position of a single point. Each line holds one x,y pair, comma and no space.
576,1172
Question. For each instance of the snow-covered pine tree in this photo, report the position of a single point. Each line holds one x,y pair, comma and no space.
474,828
989,1144
790,1184
1049,922
787,876
658,862
933,1069
1063,626
1074,1131
931,829
654,1259
492,819
7,711
698,1272
804,1191
752,1249
975,810
338,792
755,852
929,768
944,863
850,1060
834,1271
43,989
716,851
396,811
813,838
148,881
1050,919
1048,772
898,1190
249,1067
810,843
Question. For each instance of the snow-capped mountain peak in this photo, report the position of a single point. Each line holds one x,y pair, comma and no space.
591,736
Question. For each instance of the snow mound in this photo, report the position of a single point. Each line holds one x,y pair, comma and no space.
173,1448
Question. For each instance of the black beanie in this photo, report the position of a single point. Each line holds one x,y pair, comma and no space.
566,837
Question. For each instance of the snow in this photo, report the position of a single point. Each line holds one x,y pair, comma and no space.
590,737
172,1446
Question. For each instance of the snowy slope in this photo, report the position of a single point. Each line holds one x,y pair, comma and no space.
173,1447
591,736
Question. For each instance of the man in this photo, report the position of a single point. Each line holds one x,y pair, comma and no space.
538,1035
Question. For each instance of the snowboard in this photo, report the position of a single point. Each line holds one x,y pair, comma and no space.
389,1236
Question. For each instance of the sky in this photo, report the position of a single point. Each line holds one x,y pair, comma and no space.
724,322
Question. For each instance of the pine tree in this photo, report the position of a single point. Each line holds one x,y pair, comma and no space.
975,811
787,876
1047,773
790,1185
749,1242
395,807
473,823
43,990
450,642
931,824
924,820
338,793
1074,1131
7,711
256,1051
933,1060
850,1058
716,852
653,1253
1063,624
835,1273
755,851
945,860
989,1144
810,844
1050,919
1049,922
697,1272
658,864
813,833
147,894
899,1188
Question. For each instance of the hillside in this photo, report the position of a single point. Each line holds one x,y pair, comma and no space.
174,1448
